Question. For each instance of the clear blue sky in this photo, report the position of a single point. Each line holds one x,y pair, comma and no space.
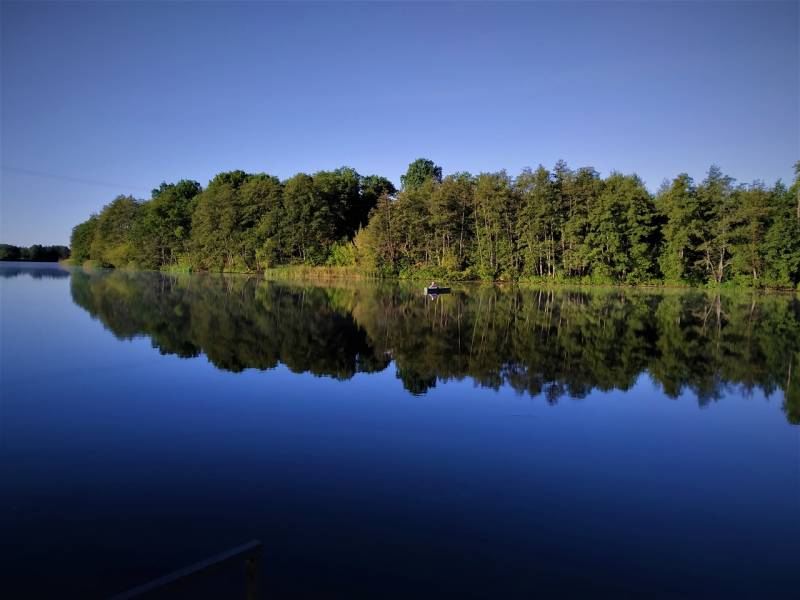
115,97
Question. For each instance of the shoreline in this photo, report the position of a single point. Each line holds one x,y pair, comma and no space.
334,273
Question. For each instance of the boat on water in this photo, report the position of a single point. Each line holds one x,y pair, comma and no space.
433,291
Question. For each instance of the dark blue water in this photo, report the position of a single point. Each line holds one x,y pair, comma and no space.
492,443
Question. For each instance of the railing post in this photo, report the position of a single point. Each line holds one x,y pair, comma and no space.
252,575
251,554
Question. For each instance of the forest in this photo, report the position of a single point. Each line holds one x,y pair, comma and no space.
555,225
35,253
548,343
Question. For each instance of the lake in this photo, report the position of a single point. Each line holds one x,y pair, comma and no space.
492,442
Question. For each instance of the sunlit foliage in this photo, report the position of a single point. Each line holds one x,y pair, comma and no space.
556,225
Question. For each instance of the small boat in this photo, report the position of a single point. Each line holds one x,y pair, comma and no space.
432,291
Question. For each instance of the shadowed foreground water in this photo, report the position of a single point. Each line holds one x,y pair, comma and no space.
493,442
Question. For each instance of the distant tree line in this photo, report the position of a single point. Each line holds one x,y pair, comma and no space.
549,225
36,253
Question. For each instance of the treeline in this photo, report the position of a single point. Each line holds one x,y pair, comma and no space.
36,253
551,225
544,343
240,222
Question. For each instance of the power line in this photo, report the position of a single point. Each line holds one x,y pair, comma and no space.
32,173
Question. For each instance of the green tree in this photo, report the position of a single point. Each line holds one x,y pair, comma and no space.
538,225
782,242
411,223
682,230
578,191
452,220
496,206
419,172
622,233
377,242
113,241
164,229
372,188
752,218
717,205
311,224
225,223
81,239
10,252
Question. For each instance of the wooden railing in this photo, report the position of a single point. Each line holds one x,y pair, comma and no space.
250,554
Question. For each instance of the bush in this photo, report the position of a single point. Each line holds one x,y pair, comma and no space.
343,254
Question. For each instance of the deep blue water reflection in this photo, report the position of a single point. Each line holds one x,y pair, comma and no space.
492,443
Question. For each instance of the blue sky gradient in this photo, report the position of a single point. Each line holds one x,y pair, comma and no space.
105,98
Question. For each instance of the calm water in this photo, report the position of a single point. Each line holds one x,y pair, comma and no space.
490,443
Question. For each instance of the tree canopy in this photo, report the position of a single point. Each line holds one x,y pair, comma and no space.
558,224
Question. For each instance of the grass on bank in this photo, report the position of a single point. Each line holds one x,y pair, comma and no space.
425,274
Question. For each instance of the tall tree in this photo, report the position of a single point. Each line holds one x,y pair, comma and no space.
164,229
372,188
377,242
578,192
538,225
225,234
717,205
452,219
782,243
419,172
81,239
751,221
682,231
304,205
112,242
496,207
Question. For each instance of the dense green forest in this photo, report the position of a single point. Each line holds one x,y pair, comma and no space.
544,343
544,225
33,253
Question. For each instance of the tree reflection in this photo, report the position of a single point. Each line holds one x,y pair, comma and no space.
547,342
11,270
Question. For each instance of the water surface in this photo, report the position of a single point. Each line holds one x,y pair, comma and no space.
494,442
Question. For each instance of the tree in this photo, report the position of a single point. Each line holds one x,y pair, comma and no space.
419,172
452,220
164,229
113,242
377,242
225,233
578,192
495,214
782,241
9,252
621,233
81,239
339,192
259,201
642,231
718,210
682,231
311,225
372,187
412,227
538,222
751,221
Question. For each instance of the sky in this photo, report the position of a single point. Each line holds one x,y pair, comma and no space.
108,98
